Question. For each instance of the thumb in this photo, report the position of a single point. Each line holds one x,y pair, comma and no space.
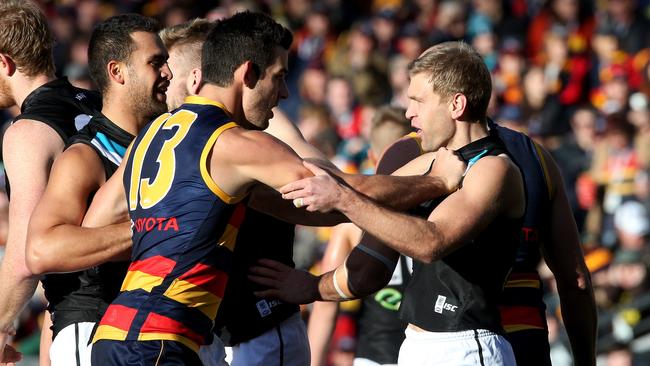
314,168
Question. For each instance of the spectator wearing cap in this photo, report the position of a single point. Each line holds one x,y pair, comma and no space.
613,94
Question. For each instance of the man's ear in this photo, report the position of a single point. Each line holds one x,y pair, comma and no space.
457,105
116,71
7,65
194,81
251,74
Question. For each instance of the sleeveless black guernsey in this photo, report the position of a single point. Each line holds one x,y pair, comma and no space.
84,296
461,291
63,107
380,330
243,316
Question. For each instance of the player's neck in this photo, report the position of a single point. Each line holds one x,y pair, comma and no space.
22,85
120,116
467,132
228,96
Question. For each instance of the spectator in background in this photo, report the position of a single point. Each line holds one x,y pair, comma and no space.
574,18
639,116
385,28
624,20
361,63
312,86
451,22
399,80
410,43
615,168
574,155
614,92
509,73
315,124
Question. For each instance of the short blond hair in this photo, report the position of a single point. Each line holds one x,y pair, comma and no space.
455,67
26,37
194,31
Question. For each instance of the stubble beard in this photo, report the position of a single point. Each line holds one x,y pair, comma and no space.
144,104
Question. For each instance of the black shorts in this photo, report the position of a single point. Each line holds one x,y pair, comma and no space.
143,353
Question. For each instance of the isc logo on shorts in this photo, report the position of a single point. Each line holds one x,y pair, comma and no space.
441,304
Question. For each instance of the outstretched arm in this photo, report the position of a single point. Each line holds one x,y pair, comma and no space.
29,148
492,187
55,231
405,189
564,257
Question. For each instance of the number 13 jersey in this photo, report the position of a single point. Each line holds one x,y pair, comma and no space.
184,231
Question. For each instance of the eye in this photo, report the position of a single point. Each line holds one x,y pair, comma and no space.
158,63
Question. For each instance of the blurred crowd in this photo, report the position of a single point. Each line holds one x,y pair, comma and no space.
573,74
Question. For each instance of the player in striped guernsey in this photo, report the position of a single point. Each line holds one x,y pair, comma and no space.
128,63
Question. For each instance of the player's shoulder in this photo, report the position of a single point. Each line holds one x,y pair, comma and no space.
80,156
30,132
492,168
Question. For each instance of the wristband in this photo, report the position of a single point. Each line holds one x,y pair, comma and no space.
337,288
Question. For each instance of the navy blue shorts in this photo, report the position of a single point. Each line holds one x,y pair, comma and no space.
530,347
143,353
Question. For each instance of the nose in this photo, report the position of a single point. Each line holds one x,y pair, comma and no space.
166,72
284,90
410,111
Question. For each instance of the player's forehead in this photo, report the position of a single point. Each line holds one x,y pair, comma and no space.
147,45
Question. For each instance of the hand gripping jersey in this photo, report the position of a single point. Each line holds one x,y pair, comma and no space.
84,296
184,231
63,107
460,291
242,315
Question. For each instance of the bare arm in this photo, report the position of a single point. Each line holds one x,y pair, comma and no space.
281,128
396,192
455,221
109,203
268,161
29,147
323,316
56,240
46,340
564,257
